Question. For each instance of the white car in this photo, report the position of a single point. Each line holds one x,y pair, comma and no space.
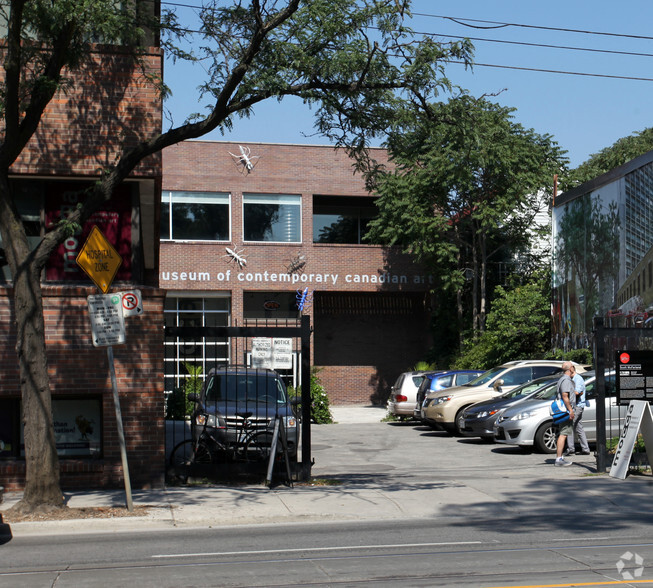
403,393
529,424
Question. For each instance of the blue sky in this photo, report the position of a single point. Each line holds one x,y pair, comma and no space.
583,113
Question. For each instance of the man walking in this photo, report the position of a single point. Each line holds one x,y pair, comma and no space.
577,426
565,391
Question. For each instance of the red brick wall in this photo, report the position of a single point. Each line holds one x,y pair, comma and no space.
109,106
394,343
78,368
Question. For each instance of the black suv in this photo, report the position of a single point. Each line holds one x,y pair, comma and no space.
232,394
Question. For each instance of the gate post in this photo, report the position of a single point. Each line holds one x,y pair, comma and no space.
306,397
599,359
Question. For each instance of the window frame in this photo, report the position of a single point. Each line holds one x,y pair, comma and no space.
169,194
263,196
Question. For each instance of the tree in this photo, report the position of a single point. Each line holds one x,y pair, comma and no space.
518,326
352,59
467,185
620,152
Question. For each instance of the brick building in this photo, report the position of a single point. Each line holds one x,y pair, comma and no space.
109,106
248,228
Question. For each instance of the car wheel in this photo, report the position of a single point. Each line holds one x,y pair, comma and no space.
459,424
546,438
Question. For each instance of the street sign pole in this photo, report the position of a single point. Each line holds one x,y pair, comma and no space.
99,259
121,432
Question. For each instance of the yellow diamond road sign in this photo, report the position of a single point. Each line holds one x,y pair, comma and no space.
99,260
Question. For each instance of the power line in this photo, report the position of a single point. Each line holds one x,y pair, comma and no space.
554,71
542,45
498,25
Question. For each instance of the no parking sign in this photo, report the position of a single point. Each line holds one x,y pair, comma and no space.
132,303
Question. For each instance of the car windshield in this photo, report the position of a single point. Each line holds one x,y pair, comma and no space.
547,392
527,389
245,387
485,377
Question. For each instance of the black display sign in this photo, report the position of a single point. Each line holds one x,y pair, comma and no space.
634,376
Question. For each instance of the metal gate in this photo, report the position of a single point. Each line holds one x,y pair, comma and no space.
224,374
607,340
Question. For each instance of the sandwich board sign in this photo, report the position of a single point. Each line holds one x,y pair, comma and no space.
99,259
639,419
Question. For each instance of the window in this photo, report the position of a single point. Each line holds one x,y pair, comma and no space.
188,355
272,218
342,219
195,216
270,305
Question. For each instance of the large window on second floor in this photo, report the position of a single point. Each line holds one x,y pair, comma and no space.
341,219
195,216
272,218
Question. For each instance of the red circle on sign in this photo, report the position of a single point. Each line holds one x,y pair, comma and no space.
624,358
129,301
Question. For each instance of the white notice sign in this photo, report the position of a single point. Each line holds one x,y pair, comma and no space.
274,354
107,323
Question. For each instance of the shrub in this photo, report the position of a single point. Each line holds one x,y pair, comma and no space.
178,406
320,411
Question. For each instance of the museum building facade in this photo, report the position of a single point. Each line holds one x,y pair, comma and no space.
260,234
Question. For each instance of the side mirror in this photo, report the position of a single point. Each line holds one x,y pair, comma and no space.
194,397
497,385
296,400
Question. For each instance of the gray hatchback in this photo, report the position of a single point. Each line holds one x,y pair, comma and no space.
529,424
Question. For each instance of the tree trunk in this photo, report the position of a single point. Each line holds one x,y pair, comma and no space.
42,489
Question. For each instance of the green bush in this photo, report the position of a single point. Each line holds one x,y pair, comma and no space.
178,406
582,356
320,411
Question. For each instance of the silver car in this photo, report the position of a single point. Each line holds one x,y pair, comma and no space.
478,419
529,424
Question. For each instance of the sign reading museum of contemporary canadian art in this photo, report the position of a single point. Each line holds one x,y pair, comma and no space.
634,376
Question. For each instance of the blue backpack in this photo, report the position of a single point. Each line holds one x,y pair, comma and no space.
558,411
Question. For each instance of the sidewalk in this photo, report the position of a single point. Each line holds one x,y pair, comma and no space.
364,473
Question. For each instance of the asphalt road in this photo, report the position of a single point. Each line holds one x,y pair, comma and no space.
489,519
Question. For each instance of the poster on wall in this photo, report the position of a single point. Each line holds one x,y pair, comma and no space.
114,220
77,427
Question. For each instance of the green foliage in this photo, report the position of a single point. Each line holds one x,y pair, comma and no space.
320,411
424,366
518,327
582,356
620,152
611,445
178,406
467,185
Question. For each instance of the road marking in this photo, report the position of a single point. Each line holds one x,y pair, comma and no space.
573,584
312,549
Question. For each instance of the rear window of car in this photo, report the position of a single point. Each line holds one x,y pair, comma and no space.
417,380
245,387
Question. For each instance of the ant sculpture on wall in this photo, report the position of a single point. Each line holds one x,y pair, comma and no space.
245,157
236,256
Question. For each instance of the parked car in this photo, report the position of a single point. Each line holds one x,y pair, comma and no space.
479,418
403,393
441,380
232,393
444,409
529,424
